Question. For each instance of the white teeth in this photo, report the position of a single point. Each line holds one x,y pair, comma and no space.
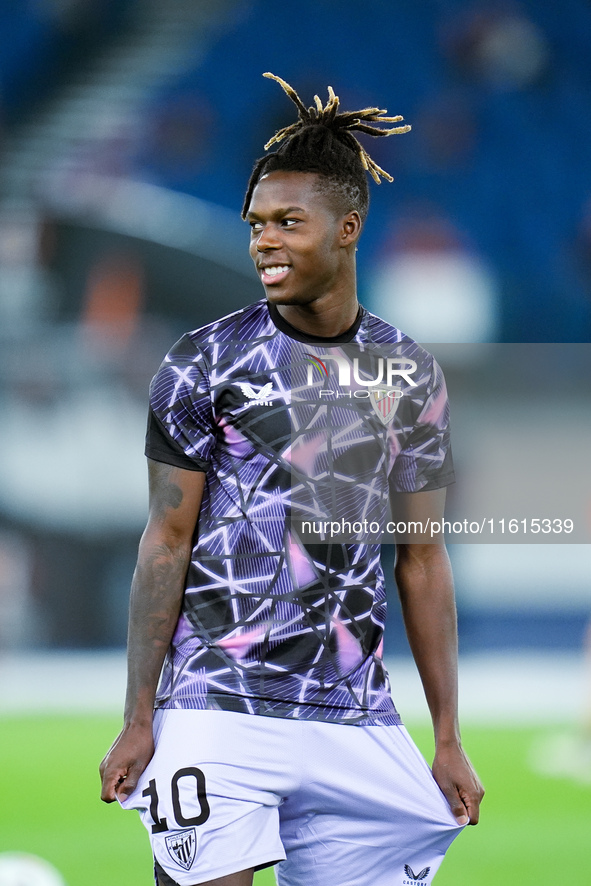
276,269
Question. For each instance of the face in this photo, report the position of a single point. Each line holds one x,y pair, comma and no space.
302,249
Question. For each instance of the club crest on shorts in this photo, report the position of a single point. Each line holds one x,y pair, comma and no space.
385,403
182,847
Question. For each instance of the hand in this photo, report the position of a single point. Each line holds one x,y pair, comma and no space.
129,755
456,777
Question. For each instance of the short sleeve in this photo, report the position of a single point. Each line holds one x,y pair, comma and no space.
425,461
181,427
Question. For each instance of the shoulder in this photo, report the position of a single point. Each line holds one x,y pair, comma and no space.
375,331
197,346
247,323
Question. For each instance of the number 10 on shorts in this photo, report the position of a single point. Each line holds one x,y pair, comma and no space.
160,824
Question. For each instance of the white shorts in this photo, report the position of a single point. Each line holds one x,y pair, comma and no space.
335,805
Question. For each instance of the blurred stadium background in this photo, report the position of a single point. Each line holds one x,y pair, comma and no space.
128,129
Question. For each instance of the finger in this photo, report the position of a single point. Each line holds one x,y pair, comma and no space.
128,781
472,805
461,815
109,786
112,777
457,805
472,797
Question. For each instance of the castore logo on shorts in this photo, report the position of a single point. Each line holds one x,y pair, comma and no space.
414,878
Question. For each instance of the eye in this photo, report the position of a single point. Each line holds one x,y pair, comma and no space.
289,222
255,227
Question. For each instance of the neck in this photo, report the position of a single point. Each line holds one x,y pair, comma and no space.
330,315
322,320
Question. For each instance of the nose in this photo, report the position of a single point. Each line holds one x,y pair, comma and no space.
268,239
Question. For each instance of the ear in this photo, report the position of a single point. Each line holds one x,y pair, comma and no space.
351,228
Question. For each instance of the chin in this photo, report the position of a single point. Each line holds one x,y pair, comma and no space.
282,298
287,298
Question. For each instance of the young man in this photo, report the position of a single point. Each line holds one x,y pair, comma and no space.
275,738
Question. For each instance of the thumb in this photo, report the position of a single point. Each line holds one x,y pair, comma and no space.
460,816
458,808
110,785
128,782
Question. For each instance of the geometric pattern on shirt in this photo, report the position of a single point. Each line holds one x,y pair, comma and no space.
269,624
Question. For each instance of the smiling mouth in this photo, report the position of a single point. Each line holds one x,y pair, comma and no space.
274,274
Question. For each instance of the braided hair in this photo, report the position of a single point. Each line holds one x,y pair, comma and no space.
321,141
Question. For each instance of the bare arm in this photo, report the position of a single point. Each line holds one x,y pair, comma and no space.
425,585
156,594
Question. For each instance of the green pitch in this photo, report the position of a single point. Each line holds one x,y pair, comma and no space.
534,830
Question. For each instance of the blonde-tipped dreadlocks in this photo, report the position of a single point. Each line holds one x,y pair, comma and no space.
328,116
321,141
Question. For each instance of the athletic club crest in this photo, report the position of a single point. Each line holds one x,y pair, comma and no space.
182,846
385,403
